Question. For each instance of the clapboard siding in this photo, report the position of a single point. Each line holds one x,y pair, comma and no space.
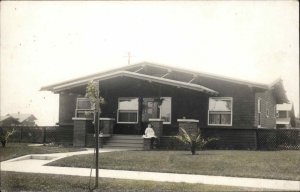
268,102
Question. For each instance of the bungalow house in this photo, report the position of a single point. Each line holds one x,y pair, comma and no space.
24,119
169,97
285,116
8,121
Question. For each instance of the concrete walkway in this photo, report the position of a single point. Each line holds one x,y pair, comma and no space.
35,164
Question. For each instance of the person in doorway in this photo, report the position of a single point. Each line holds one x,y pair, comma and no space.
149,133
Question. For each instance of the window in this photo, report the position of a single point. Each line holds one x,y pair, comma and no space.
259,111
267,110
275,112
83,108
220,111
128,110
165,110
282,114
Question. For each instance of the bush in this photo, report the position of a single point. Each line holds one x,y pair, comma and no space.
4,135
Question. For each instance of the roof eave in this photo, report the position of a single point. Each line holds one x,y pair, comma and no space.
137,76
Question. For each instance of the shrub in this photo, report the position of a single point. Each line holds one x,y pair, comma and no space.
4,136
194,141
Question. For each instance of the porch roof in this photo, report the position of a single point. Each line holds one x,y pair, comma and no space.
167,75
84,81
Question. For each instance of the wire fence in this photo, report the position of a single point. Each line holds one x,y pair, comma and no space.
34,134
278,139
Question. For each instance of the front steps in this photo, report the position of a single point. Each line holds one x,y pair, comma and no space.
134,142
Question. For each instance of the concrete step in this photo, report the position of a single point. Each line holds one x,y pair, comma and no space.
124,144
122,147
133,137
125,141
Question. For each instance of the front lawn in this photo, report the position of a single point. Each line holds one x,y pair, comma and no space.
261,164
12,181
13,150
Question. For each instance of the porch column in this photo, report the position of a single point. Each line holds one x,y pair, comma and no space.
157,126
107,125
190,125
81,127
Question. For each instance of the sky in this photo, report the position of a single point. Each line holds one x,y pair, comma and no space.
47,42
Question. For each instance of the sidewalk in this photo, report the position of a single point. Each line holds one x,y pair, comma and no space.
35,164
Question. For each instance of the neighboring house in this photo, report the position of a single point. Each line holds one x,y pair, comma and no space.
8,121
24,119
297,122
285,117
136,93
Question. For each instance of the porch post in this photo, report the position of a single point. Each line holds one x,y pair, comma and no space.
107,125
157,126
81,127
190,125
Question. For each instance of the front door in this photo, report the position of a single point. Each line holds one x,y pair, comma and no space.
150,110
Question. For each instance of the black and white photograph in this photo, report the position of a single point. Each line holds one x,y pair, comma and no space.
156,96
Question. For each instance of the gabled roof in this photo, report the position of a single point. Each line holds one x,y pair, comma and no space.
2,118
159,73
284,107
21,117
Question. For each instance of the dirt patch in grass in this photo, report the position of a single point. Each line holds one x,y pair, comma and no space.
258,164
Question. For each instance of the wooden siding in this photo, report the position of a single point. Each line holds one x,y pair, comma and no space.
185,103
67,106
267,102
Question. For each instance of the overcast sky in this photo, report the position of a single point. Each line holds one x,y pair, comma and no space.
47,42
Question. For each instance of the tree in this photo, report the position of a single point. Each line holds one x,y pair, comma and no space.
93,93
4,137
195,141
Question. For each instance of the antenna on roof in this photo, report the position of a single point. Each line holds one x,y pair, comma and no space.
128,56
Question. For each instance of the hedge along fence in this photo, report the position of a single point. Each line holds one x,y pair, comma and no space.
28,134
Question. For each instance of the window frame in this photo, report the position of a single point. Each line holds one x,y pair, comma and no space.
259,103
82,110
231,112
124,110
267,110
167,122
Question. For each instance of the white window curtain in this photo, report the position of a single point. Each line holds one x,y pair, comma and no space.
220,111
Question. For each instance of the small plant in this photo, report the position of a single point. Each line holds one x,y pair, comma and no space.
195,141
4,137
93,94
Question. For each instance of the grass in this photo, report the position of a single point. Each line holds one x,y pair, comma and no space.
260,164
13,150
12,181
